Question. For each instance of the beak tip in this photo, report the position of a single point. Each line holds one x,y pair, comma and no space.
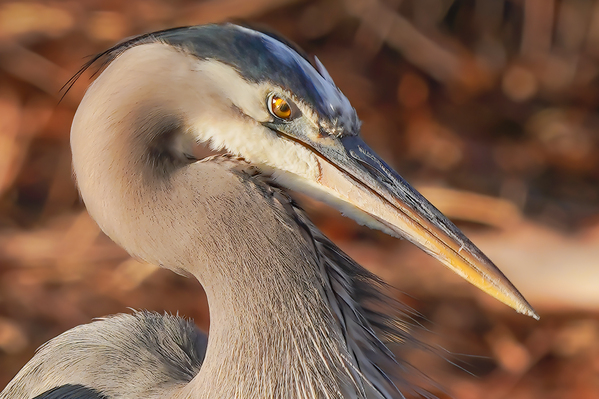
520,305
513,298
529,311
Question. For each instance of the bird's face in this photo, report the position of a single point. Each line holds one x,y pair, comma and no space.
264,101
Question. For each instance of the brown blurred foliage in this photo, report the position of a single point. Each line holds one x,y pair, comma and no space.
496,99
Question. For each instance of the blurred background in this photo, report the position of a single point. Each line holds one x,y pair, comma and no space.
489,107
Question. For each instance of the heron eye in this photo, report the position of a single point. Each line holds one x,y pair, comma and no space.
279,107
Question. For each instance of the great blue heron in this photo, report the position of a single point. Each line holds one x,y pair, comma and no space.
291,315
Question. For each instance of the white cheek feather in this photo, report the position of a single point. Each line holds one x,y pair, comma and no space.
225,127
260,146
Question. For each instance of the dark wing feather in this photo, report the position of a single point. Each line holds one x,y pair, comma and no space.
69,391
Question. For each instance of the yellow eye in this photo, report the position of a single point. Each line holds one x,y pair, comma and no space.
279,107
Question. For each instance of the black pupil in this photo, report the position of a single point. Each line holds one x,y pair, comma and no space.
283,107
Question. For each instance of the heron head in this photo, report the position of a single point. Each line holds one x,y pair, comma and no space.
256,96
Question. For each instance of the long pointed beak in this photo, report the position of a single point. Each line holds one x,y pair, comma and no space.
357,176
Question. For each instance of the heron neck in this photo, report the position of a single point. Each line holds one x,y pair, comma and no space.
268,339
270,318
